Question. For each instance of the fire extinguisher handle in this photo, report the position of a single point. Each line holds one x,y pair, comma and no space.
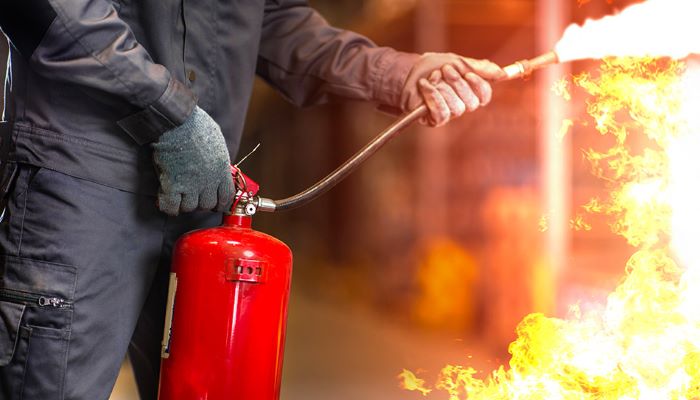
347,168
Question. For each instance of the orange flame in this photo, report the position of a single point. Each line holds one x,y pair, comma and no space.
446,267
644,342
583,2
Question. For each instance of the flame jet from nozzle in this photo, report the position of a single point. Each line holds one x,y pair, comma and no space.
524,68
653,28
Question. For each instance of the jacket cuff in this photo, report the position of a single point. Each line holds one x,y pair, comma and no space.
168,112
393,70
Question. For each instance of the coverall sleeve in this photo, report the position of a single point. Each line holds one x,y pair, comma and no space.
309,61
86,43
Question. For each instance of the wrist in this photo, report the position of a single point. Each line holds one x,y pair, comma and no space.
175,105
392,72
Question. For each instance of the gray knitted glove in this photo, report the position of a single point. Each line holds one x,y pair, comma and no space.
193,167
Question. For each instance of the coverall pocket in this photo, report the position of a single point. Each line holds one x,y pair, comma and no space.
10,317
43,294
45,352
15,200
8,173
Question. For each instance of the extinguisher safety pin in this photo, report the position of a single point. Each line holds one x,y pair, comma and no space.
247,155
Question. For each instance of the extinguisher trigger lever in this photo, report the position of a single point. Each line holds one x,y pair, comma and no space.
246,201
244,185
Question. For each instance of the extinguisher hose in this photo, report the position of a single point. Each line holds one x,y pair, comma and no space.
351,165
517,70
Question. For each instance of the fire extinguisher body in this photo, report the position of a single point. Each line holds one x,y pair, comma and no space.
227,315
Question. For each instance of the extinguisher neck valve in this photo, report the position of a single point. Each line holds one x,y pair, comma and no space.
249,206
245,208
239,220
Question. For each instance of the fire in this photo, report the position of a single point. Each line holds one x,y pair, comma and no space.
580,224
543,223
644,342
582,2
566,126
409,381
658,28
562,88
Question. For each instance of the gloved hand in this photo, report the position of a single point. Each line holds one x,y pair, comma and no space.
449,85
193,167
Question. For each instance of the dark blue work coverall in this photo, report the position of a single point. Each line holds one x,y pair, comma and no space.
84,251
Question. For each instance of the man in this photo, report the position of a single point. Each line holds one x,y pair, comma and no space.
99,93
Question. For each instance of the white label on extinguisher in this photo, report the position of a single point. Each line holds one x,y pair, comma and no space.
168,329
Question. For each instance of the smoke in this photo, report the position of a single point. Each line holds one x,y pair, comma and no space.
656,28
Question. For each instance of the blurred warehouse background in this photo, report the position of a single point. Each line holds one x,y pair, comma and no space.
435,250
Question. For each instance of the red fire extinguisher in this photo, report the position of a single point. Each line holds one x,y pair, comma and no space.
227,311
229,289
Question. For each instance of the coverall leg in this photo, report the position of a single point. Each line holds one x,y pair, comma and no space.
78,261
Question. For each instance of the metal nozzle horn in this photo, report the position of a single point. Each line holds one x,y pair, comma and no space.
525,67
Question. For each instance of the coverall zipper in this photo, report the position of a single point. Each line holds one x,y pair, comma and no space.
15,296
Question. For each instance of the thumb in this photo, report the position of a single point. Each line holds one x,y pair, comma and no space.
485,69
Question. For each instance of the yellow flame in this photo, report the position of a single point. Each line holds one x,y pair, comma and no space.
562,89
644,342
543,224
579,224
409,381
657,28
566,126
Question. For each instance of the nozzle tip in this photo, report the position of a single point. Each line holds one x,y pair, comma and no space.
525,67
515,70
